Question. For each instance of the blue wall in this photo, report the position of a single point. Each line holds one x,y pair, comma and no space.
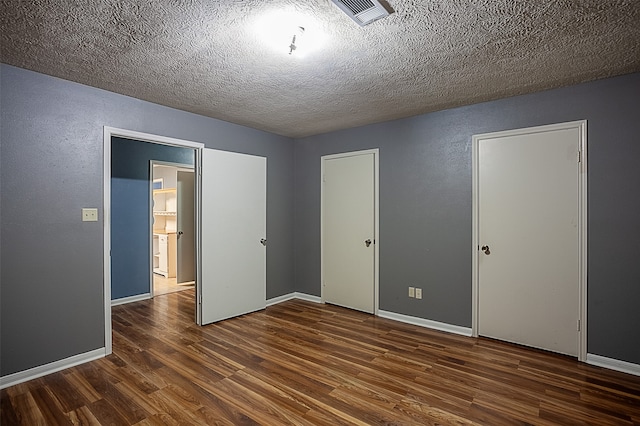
130,213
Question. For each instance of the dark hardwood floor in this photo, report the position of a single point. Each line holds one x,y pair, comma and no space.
302,363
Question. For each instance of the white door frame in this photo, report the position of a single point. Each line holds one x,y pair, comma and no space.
151,164
376,223
582,222
108,133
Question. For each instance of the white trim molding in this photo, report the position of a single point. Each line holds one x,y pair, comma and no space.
613,364
421,322
135,298
435,325
52,367
280,299
291,296
177,167
307,297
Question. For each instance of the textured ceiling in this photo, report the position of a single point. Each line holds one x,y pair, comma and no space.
210,57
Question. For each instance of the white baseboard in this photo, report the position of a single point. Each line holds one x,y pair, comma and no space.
613,364
307,297
441,326
280,299
43,370
130,299
455,329
294,295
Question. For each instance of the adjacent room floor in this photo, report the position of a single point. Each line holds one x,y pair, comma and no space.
163,285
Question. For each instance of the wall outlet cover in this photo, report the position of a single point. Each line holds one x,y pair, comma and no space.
89,215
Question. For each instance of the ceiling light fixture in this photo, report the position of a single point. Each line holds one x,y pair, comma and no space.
289,32
298,34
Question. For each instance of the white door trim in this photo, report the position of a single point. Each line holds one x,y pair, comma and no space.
152,163
376,222
581,125
108,133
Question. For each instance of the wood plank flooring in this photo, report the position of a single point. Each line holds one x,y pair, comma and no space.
302,363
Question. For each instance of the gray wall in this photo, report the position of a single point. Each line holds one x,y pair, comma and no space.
131,213
425,204
51,291
51,156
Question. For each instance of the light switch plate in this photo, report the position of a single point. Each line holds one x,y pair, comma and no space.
89,215
418,293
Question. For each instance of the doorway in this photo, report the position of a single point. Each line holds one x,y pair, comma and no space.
131,213
172,197
227,182
349,230
115,251
529,237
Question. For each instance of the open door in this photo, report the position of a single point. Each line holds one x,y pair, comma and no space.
233,256
186,232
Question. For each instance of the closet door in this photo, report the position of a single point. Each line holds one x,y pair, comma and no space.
234,205
348,230
529,263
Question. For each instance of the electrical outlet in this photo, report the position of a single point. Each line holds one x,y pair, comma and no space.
418,293
89,215
412,292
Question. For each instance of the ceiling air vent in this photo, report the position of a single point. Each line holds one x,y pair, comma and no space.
363,11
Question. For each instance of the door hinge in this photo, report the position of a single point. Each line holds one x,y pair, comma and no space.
578,325
579,156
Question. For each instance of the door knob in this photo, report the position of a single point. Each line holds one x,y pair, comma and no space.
367,242
263,242
486,250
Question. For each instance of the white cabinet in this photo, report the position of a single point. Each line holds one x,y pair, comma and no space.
156,253
164,254
163,265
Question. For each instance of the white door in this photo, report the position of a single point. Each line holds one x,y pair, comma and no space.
528,217
186,232
348,231
233,264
